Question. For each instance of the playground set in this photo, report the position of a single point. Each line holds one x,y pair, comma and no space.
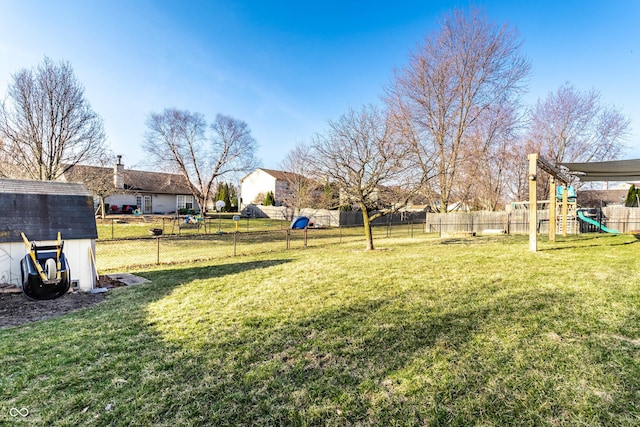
621,170
578,219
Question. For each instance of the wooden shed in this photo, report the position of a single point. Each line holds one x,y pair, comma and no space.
41,209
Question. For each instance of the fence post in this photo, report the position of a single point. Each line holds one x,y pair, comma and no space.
288,238
305,237
158,253
112,228
340,233
235,236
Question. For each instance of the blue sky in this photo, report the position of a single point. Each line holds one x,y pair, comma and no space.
287,67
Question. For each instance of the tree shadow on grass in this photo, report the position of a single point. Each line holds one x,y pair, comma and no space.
370,362
579,246
177,276
391,360
375,362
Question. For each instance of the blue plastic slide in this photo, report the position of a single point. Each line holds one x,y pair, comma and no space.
585,218
300,223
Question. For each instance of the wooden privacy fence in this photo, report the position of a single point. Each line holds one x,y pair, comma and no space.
621,218
452,222
618,218
476,222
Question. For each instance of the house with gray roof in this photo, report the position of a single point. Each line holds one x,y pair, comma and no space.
126,190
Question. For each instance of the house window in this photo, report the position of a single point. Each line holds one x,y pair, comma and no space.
185,202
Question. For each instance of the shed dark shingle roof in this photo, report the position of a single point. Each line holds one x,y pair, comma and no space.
40,209
17,186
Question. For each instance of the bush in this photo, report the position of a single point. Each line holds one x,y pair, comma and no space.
632,197
269,200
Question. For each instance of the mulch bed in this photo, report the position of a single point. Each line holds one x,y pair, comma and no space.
16,309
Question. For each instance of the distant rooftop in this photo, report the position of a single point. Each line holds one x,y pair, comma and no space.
134,180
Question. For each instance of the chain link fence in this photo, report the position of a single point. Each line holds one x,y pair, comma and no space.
120,254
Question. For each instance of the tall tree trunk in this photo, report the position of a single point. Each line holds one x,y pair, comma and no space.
202,204
367,227
102,208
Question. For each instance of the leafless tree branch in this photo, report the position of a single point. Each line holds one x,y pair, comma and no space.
46,123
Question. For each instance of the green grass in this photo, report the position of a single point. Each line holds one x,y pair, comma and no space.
423,332
118,255
130,226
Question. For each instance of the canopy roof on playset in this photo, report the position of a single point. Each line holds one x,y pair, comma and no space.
614,170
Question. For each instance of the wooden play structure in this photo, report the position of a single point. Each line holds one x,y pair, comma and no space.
556,177
615,170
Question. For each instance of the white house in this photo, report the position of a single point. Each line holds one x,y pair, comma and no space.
128,190
41,209
261,181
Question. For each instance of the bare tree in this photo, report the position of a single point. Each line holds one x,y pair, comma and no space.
302,191
516,172
8,168
98,178
176,141
451,80
47,124
486,159
574,126
368,162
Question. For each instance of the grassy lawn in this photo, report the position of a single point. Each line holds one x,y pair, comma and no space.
118,255
131,226
422,332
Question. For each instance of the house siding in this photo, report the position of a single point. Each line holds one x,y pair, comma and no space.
162,187
255,183
160,203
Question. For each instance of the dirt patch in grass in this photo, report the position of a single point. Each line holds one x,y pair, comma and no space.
16,309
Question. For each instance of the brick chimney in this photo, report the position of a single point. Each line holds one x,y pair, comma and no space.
118,174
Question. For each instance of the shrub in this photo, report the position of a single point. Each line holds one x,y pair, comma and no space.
269,200
632,197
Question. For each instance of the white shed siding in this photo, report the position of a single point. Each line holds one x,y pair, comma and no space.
76,251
